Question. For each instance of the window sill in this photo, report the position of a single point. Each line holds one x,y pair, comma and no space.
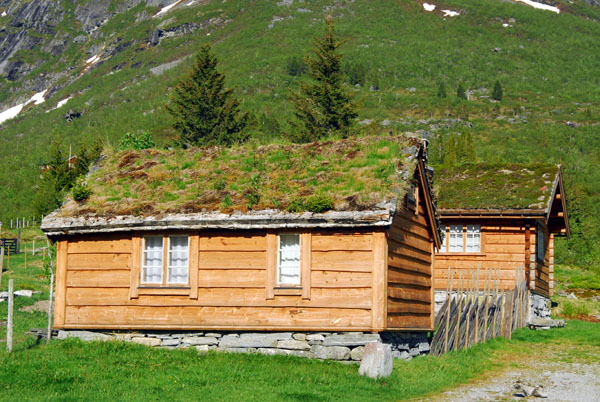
164,290
461,254
287,291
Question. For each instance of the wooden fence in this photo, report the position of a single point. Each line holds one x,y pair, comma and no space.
9,245
471,315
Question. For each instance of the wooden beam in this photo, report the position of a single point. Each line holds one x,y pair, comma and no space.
136,261
305,264
379,291
271,271
61,283
194,248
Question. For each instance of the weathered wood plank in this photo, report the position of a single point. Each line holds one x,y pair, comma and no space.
341,242
233,242
396,276
305,263
61,283
243,278
194,256
332,279
401,261
233,259
136,262
402,321
346,261
224,317
98,279
410,307
423,295
100,261
271,271
112,244
379,280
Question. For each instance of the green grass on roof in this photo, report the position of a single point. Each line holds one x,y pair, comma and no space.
350,174
495,186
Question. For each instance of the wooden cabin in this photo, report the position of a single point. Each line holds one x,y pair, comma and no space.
327,236
501,217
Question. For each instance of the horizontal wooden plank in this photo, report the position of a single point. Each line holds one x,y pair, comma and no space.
464,263
100,244
407,277
442,273
410,241
504,239
405,306
409,263
505,248
332,279
347,261
98,279
400,321
342,241
222,297
441,284
224,317
220,278
401,225
409,294
98,261
254,242
233,260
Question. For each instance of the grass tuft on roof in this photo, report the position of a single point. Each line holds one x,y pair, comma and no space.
495,186
344,175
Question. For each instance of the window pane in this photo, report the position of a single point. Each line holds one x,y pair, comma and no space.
456,238
152,264
444,238
178,259
288,269
473,238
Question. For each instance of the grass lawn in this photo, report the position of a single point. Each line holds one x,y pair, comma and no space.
76,370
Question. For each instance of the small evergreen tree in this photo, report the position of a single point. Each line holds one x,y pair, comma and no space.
442,91
205,112
324,106
497,92
460,92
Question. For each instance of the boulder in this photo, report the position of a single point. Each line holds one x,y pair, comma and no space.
293,344
199,340
146,341
84,335
376,361
169,342
299,353
357,353
254,340
350,339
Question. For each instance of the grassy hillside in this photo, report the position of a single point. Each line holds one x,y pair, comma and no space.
547,64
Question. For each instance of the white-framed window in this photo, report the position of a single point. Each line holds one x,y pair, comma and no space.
540,243
444,238
288,259
455,239
165,268
473,242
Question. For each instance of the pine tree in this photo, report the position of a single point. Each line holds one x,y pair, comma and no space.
323,107
460,92
205,112
497,92
441,90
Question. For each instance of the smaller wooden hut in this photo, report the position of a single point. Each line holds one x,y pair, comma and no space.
327,236
502,217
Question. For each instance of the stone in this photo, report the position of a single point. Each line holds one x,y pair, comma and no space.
538,393
377,361
24,293
170,342
299,336
545,323
200,340
423,347
285,352
254,340
330,352
315,338
202,348
40,305
146,341
293,344
357,353
126,336
414,352
236,350
386,123
350,339
84,335
401,354
497,49
572,296
523,390
213,335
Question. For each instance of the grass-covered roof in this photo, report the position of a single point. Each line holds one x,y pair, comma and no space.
495,186
344,175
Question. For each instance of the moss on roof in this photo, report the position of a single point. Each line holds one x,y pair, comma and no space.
349,174
495,186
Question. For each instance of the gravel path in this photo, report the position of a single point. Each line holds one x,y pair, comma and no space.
561,381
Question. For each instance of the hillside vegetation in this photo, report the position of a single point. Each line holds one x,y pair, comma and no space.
395,58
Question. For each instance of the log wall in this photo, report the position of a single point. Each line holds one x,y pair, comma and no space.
410,299
98,287
544,270
504,246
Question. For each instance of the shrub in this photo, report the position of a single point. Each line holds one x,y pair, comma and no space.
81,191
441,90
318,203
497,92
573,309
139,141
295,66
460,92
295,206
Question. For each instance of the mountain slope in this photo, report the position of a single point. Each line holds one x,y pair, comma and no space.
116,60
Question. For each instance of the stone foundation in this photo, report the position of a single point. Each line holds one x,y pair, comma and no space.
539,306
343,346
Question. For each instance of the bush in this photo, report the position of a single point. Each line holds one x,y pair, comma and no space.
574,309
318,203
295,66
441,90
295,206
497,92
81,191
139,141
460,92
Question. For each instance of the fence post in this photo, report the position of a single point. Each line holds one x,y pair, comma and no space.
9,323
50,305
1,261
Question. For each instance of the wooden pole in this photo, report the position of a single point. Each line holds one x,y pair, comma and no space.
469,305
460,301
1,261
8,259
33,249
495,321
25,257
448,309
50,306
9,323
476,341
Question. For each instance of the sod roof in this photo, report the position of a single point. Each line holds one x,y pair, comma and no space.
495,186
345,175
